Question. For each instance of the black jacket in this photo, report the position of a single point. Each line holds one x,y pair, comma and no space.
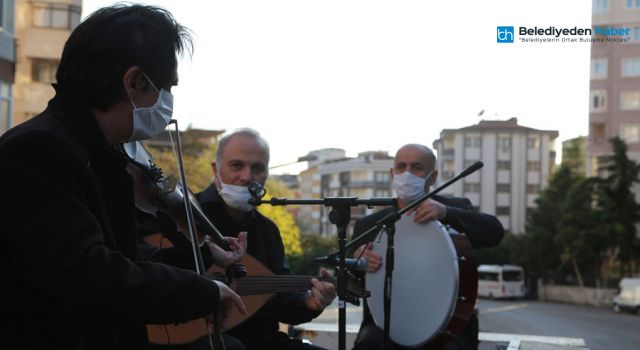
482,230
265,244
69,256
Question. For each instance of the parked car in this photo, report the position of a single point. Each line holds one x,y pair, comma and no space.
629,297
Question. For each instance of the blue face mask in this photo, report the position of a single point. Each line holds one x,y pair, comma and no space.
151,121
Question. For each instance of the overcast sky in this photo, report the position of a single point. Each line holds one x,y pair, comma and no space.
374,75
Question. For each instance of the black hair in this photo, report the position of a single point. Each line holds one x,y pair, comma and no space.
113,39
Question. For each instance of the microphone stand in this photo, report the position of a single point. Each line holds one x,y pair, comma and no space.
340,215
388,224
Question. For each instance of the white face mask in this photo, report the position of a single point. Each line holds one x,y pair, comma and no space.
151,121
409,187
236,197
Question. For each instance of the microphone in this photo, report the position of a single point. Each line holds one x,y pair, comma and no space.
257,190
357,265
472,168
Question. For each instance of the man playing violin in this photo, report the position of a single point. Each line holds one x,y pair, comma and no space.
412,174
242,157
71,260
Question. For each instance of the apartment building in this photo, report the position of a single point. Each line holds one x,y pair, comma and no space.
614,103
332,174
517,163
42,28
7,63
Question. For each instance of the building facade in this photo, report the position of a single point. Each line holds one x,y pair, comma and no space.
331,174
42,28
614,103
573,154
7,63
517,163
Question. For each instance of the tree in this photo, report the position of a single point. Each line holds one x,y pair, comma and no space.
197,166
619,208
313,245
285,221
581,241
542,253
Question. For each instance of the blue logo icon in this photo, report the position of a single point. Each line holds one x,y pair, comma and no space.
505,35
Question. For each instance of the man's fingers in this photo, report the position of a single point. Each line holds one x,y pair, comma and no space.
239,304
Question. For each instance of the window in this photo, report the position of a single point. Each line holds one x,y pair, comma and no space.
447,174
471,188
533,166
533,143
634,34
504,165
633,4
5,106
488,276
630,100
44,71
471,141
630,133
345,176
57,16
381,177
504,188
325,181
467,163
502,210
510,276
631,67
533,189
599,68
600,6
504,142
598,101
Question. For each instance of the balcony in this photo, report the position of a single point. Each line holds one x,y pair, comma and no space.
448,153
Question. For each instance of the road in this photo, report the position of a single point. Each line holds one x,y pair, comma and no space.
602,329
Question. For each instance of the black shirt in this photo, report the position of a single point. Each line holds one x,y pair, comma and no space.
265,244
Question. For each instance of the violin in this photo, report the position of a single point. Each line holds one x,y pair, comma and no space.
156,193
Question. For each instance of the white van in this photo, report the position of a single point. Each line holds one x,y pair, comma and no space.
629,297
500,281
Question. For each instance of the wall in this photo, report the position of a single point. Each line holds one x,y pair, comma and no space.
599,297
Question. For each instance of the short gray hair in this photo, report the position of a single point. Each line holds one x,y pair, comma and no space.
242,132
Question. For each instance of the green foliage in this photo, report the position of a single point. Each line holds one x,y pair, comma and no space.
578,223
285,221
542,252
620,210
313,245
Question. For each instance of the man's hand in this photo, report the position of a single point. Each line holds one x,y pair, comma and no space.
374,260
321,294
225,258
429,210
228,300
